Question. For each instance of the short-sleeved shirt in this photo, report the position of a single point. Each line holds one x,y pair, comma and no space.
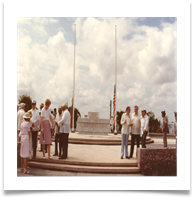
20,115
35,119
25,127
165,124
136,124
45,114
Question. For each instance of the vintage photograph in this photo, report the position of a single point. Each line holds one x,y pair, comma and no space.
96,96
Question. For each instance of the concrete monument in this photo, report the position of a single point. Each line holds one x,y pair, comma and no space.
93,125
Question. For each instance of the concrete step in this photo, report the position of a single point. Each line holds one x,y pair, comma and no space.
93,142
87,169
102,140
131,163
106,140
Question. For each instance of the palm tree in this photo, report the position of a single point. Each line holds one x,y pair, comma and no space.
27,100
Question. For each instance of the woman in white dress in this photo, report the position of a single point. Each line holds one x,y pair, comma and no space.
25,135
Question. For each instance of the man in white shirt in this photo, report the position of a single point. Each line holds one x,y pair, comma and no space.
41,107
135,130
35,127
57,134
126,123
144,127
64,125
20,115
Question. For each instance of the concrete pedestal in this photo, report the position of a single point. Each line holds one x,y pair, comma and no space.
93,125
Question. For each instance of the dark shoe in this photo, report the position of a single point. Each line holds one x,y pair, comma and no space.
40,150
122,157
59,154
127,157
55,155
143,146
45,151
62,157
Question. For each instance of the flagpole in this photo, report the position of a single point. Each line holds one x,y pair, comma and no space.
115,132
73,79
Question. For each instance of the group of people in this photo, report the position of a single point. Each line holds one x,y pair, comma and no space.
49,124
58,124
137,125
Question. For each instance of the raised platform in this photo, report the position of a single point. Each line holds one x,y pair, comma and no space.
109,139
91,154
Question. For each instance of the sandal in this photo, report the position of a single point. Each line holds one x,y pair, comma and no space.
49,157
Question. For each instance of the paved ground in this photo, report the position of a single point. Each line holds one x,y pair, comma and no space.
94,153
41,172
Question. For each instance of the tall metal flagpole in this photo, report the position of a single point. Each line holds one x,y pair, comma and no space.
115,132
74,78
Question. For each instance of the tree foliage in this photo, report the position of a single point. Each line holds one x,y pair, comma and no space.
154,124
119,115
77,114
27,100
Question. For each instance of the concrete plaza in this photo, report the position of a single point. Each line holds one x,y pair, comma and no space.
107,154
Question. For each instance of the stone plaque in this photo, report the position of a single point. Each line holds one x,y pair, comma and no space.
93,115
93,125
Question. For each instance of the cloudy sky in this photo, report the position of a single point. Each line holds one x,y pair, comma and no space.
146,59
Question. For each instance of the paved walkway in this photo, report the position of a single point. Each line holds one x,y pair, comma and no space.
94,153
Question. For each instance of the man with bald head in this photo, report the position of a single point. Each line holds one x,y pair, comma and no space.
64,131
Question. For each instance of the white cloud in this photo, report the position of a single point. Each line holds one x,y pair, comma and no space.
36,25
146,64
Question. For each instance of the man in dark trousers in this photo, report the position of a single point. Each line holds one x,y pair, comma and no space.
135,130
35,126
164,128
64,125
57,134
